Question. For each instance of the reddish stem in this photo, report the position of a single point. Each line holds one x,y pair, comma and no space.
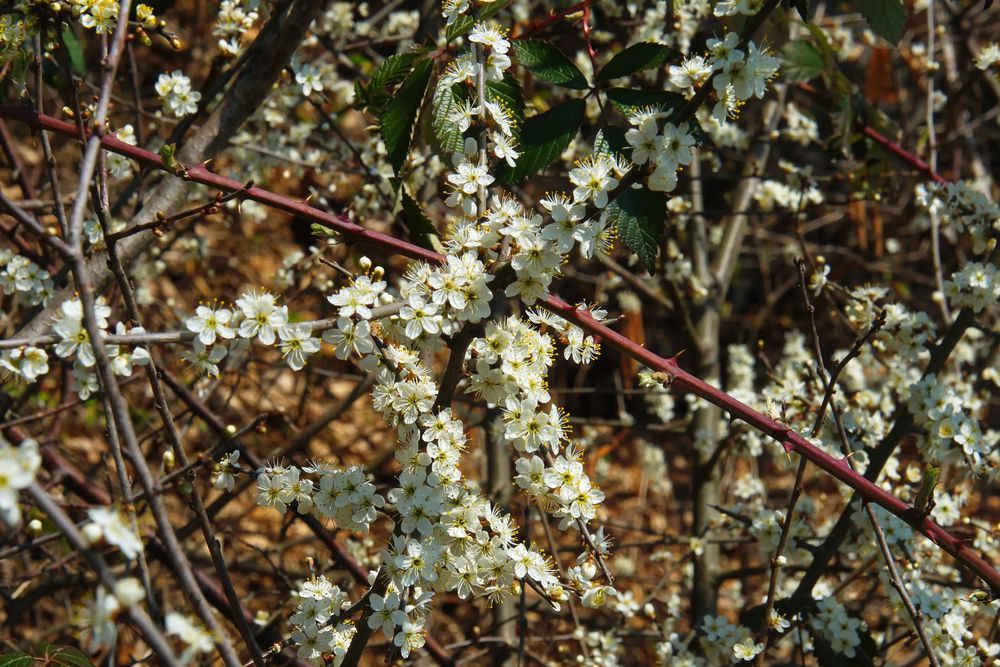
790,440
591,51
903,154
553,18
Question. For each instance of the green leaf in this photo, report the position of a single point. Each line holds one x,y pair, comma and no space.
401,112
640,216
886,17
543,139
549,63
507,93
422,231
70,657
644,55
17,659
447,99
628,101
376,94
75,51
801,61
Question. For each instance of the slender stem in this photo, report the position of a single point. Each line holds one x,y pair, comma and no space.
932,159
772,584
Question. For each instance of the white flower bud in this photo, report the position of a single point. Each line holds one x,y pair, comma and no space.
92,533
129,591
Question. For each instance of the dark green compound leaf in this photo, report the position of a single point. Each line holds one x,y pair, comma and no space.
801,61
628,100
641,56
543,139
421,228
639,215
375,95
401,112
886,17
549,64
447,99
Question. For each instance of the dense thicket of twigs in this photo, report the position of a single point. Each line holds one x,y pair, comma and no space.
803,263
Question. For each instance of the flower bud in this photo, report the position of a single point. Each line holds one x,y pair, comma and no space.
129,591
92,533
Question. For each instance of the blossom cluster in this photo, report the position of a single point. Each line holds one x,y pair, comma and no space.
21,277
233,19
951,433
448,536
74,342
344,495
176,94
736,75
965,208
838,627
317,628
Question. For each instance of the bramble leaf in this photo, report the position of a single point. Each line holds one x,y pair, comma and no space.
886,17
421,228
549,64
69,657
446,135
74,49
641,56
801,61
640,214
401,112
374,95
